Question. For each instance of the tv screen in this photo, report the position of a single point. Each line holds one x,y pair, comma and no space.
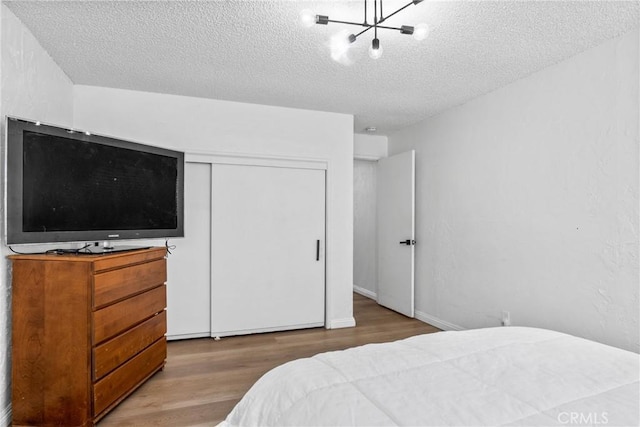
65,185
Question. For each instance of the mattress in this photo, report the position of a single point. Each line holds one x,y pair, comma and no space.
508,376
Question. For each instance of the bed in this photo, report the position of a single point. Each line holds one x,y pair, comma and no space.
484,377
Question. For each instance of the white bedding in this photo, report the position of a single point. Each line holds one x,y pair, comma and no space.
489,377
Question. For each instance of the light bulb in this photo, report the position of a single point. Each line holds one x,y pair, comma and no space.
421,32
307,18
339,46
375,50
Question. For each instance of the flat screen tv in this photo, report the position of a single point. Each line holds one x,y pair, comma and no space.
72,186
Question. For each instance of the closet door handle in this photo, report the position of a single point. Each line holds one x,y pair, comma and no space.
317,250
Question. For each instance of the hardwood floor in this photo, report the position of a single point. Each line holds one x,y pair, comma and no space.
203,379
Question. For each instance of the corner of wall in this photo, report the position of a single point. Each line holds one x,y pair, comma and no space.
369,147
364,292
348,322
33,86
438,323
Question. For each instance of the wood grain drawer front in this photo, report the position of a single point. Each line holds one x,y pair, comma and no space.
123,380
112,353
122,259
116,318
117,284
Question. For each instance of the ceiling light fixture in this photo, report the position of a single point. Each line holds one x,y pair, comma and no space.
419,32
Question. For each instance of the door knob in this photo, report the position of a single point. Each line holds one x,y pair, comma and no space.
408,242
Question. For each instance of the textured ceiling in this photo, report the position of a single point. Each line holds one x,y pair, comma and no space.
258,52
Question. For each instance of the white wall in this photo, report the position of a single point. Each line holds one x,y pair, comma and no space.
367,149
195,124
32,86
365,254
527,201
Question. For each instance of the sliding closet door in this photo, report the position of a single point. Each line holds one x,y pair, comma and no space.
268,231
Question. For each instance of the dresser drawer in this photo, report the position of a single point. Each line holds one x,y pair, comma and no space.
112,353
118,317
123,259
119,383
117,284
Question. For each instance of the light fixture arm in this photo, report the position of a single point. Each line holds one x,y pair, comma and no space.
399,10
359,24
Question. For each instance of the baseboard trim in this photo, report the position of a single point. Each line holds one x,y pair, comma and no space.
348,322
5,416
188,336
219,334
364,292
424,317
438,323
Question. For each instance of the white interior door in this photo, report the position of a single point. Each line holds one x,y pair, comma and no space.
396,232
268,266
189,268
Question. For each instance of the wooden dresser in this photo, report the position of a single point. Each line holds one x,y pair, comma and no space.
87,331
